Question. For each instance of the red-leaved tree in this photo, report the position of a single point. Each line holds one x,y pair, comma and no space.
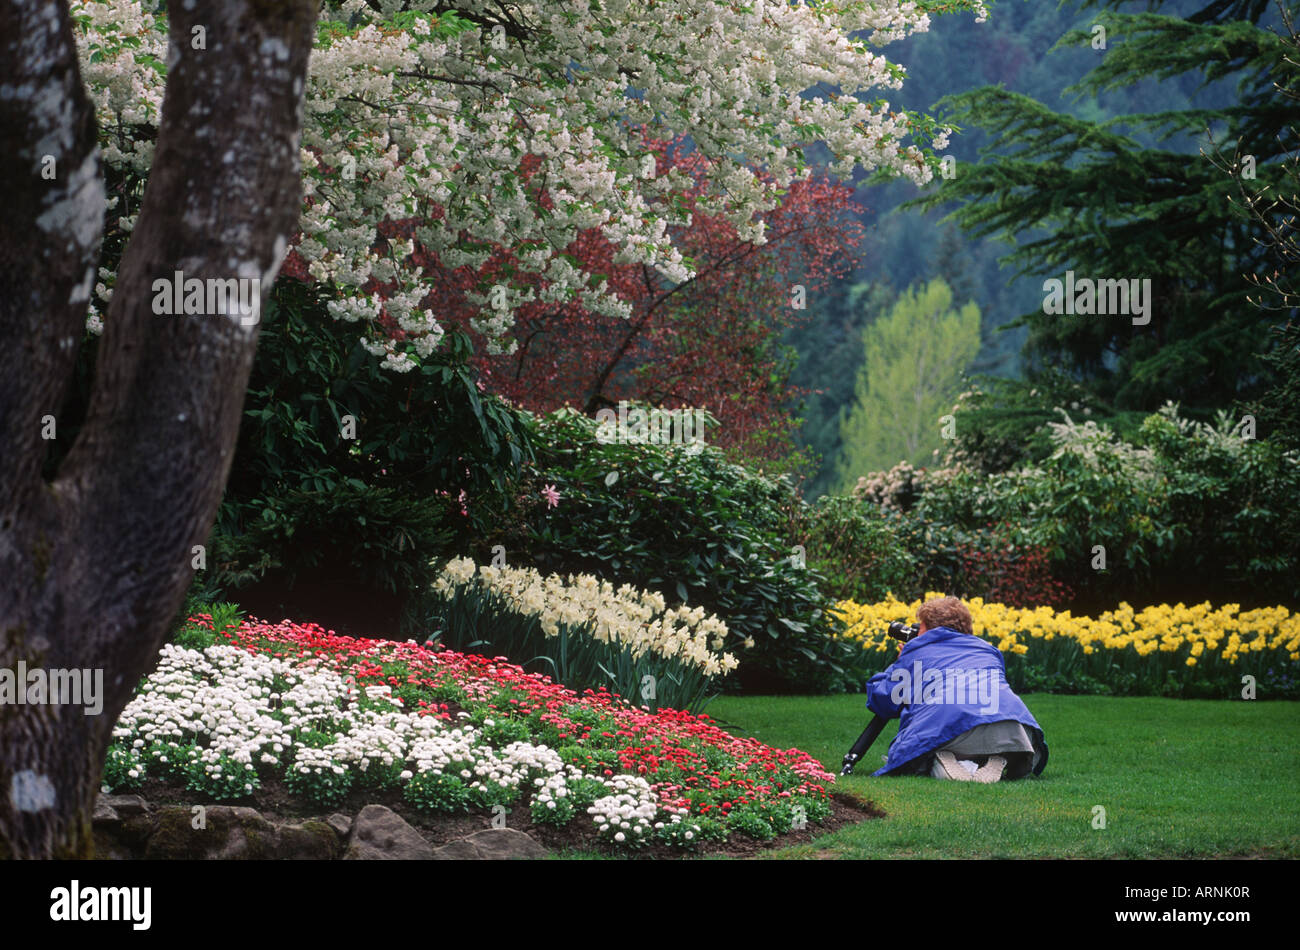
712,342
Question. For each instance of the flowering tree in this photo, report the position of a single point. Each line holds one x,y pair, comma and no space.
709,342
425,111
498,135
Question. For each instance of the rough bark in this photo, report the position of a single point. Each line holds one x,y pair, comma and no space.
94,564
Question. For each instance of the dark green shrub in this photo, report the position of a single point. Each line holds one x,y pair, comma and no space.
862,552
1003,423
324,787
752,821
124,771
437,792
223,779
168,762
347,478
1277,411
693,526
556,811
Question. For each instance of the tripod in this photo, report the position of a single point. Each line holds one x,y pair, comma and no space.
863,744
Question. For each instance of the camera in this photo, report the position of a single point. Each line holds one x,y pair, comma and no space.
905,632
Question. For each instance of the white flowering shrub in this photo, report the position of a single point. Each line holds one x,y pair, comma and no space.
1098,449
458,136
896,489
626,816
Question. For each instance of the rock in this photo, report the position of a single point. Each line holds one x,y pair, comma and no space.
103,813
507,844
459,850
115,807
340,823
494,844
126,806
309,841
109,848
121,825
227,833
378,833
126,828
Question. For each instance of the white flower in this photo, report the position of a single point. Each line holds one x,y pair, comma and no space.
399,120
638,619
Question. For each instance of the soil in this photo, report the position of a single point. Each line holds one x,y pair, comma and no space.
274,801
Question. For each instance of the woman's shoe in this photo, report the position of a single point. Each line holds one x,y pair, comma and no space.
951,768
991,770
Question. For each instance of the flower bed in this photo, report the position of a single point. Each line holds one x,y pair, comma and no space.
1161,650
453,732
586,632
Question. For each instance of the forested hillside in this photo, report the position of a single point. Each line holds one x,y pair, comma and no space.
907,247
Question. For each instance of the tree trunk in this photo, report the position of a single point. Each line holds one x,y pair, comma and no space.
94,564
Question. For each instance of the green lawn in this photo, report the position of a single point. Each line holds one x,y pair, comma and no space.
1177,778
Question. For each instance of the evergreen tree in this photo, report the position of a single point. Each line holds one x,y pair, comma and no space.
831,344
913,363
952,264
1277,411
1084,196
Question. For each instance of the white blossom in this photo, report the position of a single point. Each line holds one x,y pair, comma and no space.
432,122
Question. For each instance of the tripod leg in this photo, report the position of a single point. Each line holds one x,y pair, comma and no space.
869,735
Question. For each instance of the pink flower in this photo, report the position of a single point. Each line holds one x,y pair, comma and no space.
551,495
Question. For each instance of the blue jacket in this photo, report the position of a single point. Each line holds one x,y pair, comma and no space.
944,683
